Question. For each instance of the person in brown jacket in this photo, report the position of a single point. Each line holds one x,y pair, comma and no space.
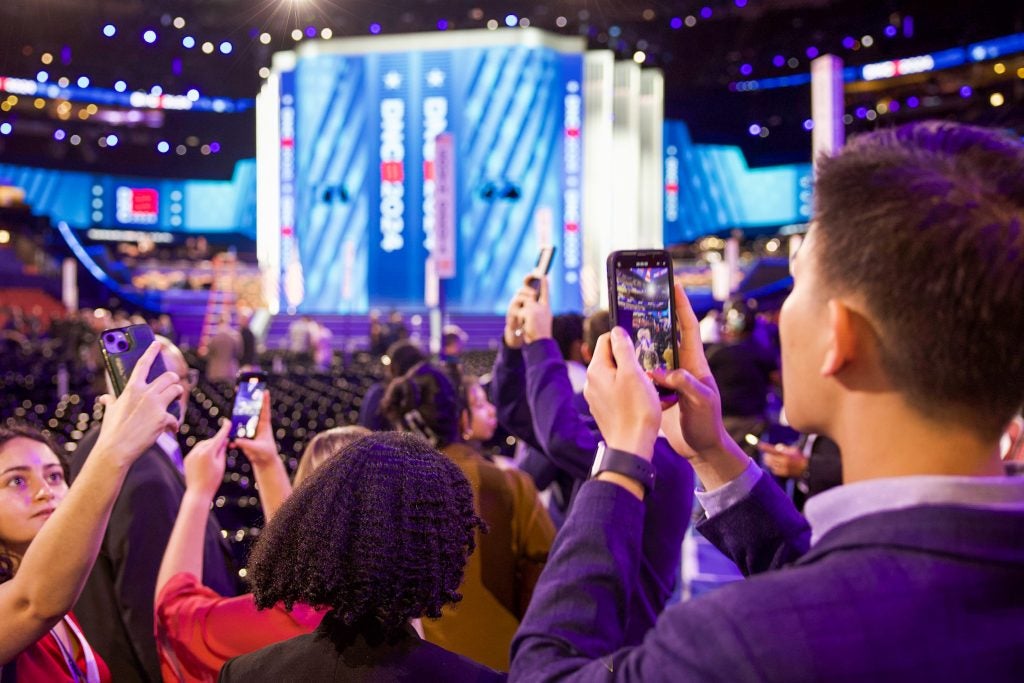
508,559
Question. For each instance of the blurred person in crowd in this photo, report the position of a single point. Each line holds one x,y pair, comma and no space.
744,372
222,353
378,342
248,357
453,338
536,403
116,605
395,330
301,338
814,465
50,535
567,331
398,360
915,390
165,328
481,420
324,445
711,328
501,574
379,536
323,352
197,628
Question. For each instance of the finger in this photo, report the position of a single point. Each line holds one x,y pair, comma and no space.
603,358
105,400
143,365
684,383
169,423
623,350
163,381
691,349
544,295
263,426
170,392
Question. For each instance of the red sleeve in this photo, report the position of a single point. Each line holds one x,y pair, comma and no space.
197,630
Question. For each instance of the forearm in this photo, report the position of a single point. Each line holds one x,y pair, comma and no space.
508,393
56,565
184,551
718,466
274,485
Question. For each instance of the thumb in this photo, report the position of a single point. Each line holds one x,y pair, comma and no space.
105,400
623,350
682,382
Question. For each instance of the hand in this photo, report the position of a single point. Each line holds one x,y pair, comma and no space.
536,310
784,461
700,406
514,323
133,421
260,450
622,400
204,466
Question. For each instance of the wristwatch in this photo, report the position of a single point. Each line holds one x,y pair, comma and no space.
624,463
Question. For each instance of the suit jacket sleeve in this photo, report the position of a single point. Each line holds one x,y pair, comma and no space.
561,431
763,531
140,526
508,393
575,628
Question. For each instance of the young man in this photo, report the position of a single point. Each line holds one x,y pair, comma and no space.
913,569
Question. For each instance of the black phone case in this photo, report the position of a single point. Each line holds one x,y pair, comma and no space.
613,298
121,364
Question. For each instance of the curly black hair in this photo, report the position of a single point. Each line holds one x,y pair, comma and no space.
425,401
382,531
22,430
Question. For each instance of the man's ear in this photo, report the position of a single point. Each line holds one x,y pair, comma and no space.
843,341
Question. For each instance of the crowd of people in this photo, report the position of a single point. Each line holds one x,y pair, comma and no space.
400,552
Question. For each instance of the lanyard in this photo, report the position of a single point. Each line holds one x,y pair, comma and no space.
92,672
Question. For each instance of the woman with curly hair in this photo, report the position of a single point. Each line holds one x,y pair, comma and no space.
50,534
502,573
378,535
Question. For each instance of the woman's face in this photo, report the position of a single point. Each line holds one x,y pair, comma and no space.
482,417
31,486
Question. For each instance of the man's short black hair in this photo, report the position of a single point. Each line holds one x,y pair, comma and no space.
567,329
381,531
926,222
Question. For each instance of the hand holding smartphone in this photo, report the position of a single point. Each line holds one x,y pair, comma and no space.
545,258
245,414
640,296
122,347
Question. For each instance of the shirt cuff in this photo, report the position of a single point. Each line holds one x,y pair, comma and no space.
724,497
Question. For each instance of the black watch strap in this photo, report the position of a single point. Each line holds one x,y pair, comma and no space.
624,463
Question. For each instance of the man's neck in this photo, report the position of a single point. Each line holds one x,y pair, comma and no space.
880,436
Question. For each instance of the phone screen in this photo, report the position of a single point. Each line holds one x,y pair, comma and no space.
642,305
248,402
544,260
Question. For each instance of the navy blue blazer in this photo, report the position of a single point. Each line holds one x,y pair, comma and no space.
930,593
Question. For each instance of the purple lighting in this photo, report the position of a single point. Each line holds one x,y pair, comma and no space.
861,112
966,91
676,23
849,42
913,102
754,129
894,107
808,124
705,12
779,61
890,31
375,28
812,52
149,36
311,31
214,147
741,3
746,69
442,24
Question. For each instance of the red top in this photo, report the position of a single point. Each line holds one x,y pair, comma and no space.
43,661
198,630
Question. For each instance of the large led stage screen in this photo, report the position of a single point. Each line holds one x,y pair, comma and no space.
347,133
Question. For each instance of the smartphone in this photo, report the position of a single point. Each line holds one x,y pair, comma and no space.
245,414
543,267
121,348
640,288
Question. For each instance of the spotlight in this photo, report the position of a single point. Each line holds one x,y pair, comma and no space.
208,48
120,86
112,140
42,77
225,48
265,38
179,22
163,147
149,36
192,95
109,30
511,20
83,82
639,56
188,42
6,128
327,34
374,28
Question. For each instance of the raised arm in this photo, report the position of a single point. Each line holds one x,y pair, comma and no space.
267,466
53,570
204,473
